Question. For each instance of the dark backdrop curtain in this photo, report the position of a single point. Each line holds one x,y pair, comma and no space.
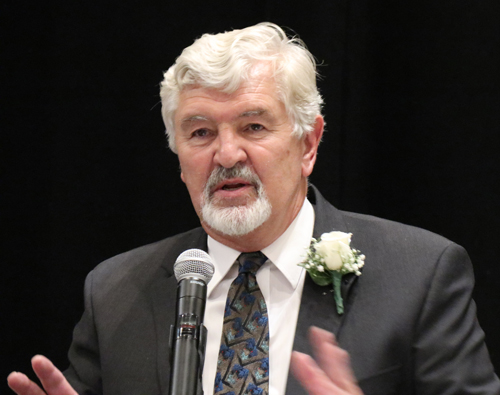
412,96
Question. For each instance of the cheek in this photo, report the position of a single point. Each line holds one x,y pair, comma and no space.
194,184
282,170
191,164
194,173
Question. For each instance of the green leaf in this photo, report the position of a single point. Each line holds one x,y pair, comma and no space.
321,278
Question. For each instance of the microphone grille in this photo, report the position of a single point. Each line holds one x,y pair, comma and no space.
194,263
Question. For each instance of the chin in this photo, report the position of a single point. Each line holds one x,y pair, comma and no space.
237,221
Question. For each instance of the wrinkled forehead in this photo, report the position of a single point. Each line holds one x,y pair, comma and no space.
257,96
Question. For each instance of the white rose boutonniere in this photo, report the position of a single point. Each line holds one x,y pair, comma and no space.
329,258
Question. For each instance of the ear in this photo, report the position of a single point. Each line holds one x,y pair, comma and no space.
311,142
182,177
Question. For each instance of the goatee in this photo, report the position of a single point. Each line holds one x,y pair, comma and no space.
235,220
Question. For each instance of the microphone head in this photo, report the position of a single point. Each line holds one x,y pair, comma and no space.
194,263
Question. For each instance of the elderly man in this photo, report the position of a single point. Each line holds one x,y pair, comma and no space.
242,112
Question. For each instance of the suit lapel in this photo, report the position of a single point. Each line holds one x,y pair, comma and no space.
163,299
317,306
317,303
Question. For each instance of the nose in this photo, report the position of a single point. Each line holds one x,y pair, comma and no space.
230,148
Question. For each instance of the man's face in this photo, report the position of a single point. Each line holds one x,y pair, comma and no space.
251,129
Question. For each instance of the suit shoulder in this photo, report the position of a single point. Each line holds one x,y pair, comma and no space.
401,246
406,261
374,231
394,231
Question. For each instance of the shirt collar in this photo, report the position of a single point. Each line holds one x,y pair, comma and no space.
286,252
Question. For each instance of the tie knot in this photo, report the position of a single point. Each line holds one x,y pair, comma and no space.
250,262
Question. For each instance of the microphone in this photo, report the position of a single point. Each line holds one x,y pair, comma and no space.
193,270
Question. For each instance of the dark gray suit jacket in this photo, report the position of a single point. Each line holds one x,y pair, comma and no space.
410,325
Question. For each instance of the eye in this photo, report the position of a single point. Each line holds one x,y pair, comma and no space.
256,127
200,133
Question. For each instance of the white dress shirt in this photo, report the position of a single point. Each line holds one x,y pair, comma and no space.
282,298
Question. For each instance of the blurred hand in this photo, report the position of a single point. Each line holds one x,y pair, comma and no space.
330,373
53,381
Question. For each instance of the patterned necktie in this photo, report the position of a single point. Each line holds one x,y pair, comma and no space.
243,363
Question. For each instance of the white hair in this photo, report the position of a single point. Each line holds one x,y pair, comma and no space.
238,220
224,61
235,220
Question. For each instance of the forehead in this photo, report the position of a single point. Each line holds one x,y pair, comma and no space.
261,92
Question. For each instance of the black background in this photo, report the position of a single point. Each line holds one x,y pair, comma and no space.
412,96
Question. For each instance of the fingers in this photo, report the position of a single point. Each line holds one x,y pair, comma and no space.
324,347
311,377
320,335
333,360
52,379
22,385
330,373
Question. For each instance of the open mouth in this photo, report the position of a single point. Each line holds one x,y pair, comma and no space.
232,187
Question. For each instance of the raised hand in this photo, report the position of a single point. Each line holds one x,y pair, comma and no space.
53,381
330,373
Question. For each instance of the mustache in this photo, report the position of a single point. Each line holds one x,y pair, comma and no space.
220,174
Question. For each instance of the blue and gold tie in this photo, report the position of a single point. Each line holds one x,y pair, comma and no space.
243,363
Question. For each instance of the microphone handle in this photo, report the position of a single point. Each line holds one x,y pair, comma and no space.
186,379
188,339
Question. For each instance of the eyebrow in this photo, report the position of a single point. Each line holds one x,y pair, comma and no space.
247,114
194,118
254,113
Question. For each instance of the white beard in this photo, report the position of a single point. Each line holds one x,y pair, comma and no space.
235,220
